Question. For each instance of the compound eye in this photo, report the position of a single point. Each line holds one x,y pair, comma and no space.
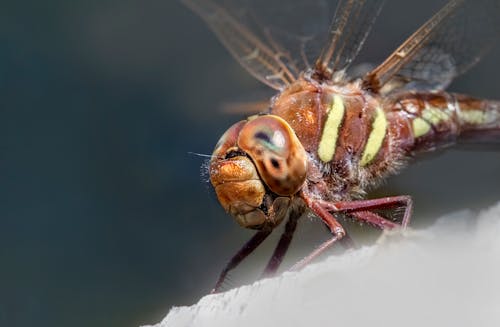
228,141
272,147
277,153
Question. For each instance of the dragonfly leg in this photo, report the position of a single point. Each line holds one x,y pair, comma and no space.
248,248
374,219
320,249
360,209
347,242
335,228
282,247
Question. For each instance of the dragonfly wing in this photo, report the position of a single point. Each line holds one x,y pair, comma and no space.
351,25
245,46
447,45
274,40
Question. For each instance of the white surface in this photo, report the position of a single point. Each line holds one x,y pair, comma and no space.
447,275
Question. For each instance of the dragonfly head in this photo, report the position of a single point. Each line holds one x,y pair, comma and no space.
257,166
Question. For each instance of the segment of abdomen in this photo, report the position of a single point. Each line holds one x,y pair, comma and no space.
479,119
437,120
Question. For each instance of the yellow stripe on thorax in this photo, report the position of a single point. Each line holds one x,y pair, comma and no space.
328,141
376,138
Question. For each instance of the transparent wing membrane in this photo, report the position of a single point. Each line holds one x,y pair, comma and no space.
297,29
351,25
274,40
277,40
263,62
451,42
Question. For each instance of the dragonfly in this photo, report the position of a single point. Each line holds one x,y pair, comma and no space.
333,132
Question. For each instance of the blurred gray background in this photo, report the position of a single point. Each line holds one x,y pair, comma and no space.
105,217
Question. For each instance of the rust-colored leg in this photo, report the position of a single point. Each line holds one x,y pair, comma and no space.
282,247
248,248
374,219
320,249
347,242
335,228
360,209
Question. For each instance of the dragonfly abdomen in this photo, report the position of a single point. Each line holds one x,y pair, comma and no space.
438,120
432,117
479,119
